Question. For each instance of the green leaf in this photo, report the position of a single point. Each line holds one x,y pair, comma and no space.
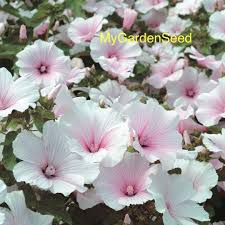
76,7
12,11
30,196
10,137
44,10
9,51
9,159
38,121
7,176
54,204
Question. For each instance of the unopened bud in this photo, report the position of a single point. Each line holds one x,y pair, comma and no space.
127,220
23,32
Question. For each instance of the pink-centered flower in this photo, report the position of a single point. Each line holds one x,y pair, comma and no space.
211,106
166,70
44,62
100,135
153,137
16,95
154,18
174,202
125,184
216,25
19,214
119,58
83,31
49,163
144,6
186,90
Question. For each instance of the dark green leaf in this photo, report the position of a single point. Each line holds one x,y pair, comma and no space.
76,7
54,205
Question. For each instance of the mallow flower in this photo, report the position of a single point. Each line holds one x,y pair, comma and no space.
211,106
153,137
100,134
64,101
187,7
19,214
216,25
213,5
154,18
88,199
215,143
202,175
111,92
17,94
125,184
82,31
166,70
49,163
173,198
46,63
117,58
186,90
144,6
174,25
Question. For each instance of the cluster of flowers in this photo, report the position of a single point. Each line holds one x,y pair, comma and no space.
117,146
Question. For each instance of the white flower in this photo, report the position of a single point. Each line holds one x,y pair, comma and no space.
19,214
217,26
172,195
202,175
48,162
16,95
100,135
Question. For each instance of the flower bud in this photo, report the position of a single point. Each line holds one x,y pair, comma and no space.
127,220
130,16
23,32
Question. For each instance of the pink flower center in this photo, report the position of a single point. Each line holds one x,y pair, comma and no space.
190,93
93,148
144,141
43,69
154,24
156,2
113,54
50,171
130,190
